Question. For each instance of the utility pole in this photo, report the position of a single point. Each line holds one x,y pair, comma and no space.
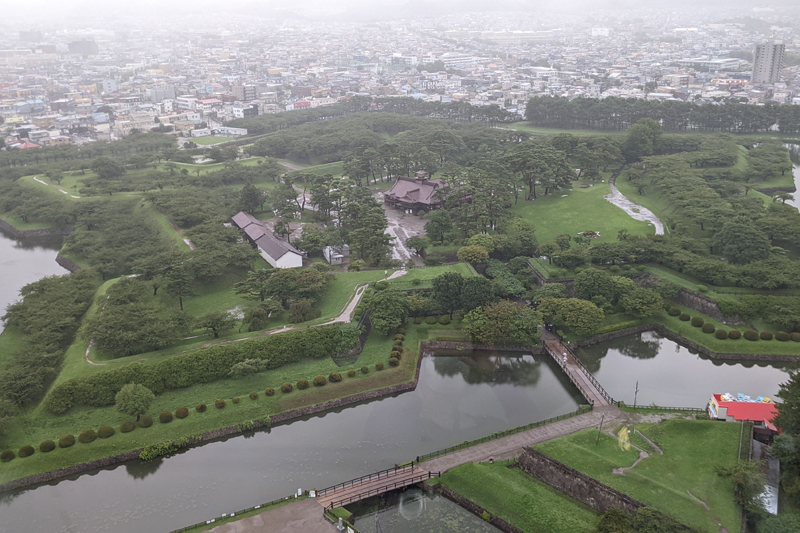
599,429
635,394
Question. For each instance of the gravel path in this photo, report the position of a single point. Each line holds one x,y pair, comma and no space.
636,211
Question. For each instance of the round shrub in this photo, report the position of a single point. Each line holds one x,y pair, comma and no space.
641,268
235,399
254,395
674,311
395,354
87,436
626,267
302,384
702,288
47,446
708,327
182,412
721,334
751,335
127,427
430,320
145,421
401,331
165,417
398,344
734,335
667,306
220,404
418,320
270,391
105,432
364,370
319,381
286,387
351,373
614,268
444,320
7,455
782,336
66,441
201,408
393,361
795,336
416,281
698,322
765,336
26,451
399,337
378,366
334,377
684,317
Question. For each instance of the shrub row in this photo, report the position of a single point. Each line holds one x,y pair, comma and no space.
200,366
750,334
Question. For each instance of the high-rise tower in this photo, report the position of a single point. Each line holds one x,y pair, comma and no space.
767,62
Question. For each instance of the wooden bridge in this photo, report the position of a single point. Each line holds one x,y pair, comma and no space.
575,370
373,484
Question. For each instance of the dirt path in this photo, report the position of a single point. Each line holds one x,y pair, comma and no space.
635,211
59,189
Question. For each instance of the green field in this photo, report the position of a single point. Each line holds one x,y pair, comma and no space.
426,275
671,483
576,210
519,499
213,139
539,130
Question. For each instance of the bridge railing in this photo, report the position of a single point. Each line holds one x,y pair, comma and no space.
397,469
499,435
382,489
234,514
585,371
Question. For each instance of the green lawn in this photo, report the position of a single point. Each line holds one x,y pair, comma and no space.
335,169
164,225
213,139
519,499
526,127
12,340
23,226
426,275
692,448
576,210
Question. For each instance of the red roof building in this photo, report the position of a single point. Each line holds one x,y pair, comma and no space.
760,412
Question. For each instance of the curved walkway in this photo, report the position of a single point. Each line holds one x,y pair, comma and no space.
636,211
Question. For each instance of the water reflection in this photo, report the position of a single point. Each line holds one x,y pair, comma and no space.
477,368
142,469
674,376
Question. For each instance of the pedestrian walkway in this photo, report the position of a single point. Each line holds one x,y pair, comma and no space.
372,485
577,373
636,211
304,516
511,446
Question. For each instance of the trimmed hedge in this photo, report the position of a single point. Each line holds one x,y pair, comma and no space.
201,408
199,366
444,320
399,337
26,451
698,322
219,404
430,320
734,334
765,336
47,446
105,432
127,427
66,441
302,384
418,320
7,455
319,381
674,311
351,373
395,354
364,370
751,335
271,392
145,421
782,336
165,417
795,336
235,399
684,317
378,366
181,412
254,395
393,361
334,377
708,327
87,436
721,334
286,388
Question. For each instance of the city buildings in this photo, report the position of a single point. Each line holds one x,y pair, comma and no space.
767,62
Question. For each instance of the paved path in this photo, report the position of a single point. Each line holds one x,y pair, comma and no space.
590,388
305,516
636,211
511,446
371,487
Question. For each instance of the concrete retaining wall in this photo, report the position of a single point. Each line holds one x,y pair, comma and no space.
577,485
33,233
66,263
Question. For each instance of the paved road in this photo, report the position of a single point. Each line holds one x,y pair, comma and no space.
511,446
305,516
636,211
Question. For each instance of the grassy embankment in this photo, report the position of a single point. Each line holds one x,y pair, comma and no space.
519,499
576,210
672,483
212,139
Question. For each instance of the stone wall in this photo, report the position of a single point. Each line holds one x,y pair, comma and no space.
469,505
568,283
66,263
577,485
664,332
32,233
